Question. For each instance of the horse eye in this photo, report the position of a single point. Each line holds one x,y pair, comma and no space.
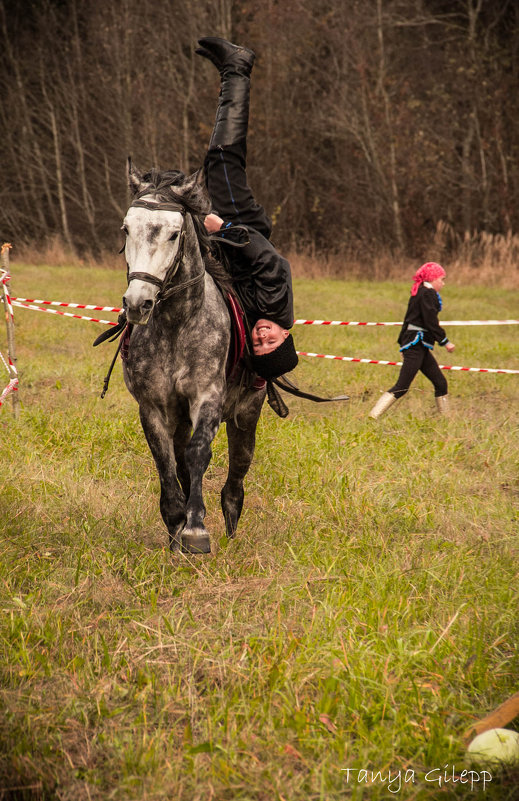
173,236
125,229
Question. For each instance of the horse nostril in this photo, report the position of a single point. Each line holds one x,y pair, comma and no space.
125,303
147,305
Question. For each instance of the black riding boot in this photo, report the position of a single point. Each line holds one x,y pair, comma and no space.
226,160
234,64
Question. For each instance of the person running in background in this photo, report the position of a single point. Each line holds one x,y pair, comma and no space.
420,330
260,275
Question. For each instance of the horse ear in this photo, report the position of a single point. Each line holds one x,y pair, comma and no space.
194,189
135,181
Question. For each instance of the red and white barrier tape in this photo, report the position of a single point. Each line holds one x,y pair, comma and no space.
444,322
399,364
64,314
21,301
24,303
70,305
12,386
4,279
5,363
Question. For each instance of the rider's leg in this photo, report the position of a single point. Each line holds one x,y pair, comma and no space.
226,159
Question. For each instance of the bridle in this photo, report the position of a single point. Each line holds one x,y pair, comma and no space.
166,285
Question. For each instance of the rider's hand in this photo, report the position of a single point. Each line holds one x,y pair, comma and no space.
213,223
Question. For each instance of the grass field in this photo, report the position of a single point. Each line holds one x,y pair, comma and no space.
362,619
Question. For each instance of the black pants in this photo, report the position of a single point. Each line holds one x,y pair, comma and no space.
230,194
416,358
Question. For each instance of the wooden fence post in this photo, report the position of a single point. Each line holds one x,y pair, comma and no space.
13,373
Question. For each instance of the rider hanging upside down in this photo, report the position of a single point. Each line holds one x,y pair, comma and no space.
261,276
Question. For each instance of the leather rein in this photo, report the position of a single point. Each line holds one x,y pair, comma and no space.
166,285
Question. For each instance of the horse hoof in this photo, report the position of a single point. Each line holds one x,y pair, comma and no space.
196,541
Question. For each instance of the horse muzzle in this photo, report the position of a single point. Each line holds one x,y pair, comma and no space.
138,312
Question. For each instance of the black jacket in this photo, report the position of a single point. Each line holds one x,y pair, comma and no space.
260,275
422,312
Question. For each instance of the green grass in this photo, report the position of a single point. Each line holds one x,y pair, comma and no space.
364,616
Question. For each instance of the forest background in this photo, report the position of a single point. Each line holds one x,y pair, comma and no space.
379,128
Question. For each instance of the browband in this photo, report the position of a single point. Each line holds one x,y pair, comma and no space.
160,206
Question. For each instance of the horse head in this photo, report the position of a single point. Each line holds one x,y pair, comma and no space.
155,230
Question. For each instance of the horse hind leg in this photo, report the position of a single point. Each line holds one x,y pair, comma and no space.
195,537
241,443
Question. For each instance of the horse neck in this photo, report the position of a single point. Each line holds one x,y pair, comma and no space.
193,261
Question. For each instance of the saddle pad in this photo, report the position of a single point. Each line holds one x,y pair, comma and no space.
238,341
237,347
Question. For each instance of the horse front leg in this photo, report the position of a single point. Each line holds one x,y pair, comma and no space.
241,444
195,537
180,442
172,498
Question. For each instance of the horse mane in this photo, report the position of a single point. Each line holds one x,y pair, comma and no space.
218,273
162,184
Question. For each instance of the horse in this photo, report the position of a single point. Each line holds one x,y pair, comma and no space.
178,349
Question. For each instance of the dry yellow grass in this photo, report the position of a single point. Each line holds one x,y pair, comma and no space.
479,258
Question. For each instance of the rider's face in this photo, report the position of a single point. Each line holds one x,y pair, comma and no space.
267,336
438,283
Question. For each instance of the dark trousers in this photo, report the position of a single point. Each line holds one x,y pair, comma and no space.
230,194
416,358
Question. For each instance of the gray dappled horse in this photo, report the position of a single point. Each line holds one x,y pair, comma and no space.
175,366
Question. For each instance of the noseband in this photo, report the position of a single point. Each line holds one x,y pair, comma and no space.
166,285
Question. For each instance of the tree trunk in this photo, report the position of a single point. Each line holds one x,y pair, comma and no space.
393,180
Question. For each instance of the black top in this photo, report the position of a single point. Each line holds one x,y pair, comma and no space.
260,275
422,312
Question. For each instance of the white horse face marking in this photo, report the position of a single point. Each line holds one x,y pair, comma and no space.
152,242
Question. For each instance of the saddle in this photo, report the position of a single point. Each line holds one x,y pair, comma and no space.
238,351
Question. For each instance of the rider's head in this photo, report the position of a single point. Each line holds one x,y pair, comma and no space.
274,353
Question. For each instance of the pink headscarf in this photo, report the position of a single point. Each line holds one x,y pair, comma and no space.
427,272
